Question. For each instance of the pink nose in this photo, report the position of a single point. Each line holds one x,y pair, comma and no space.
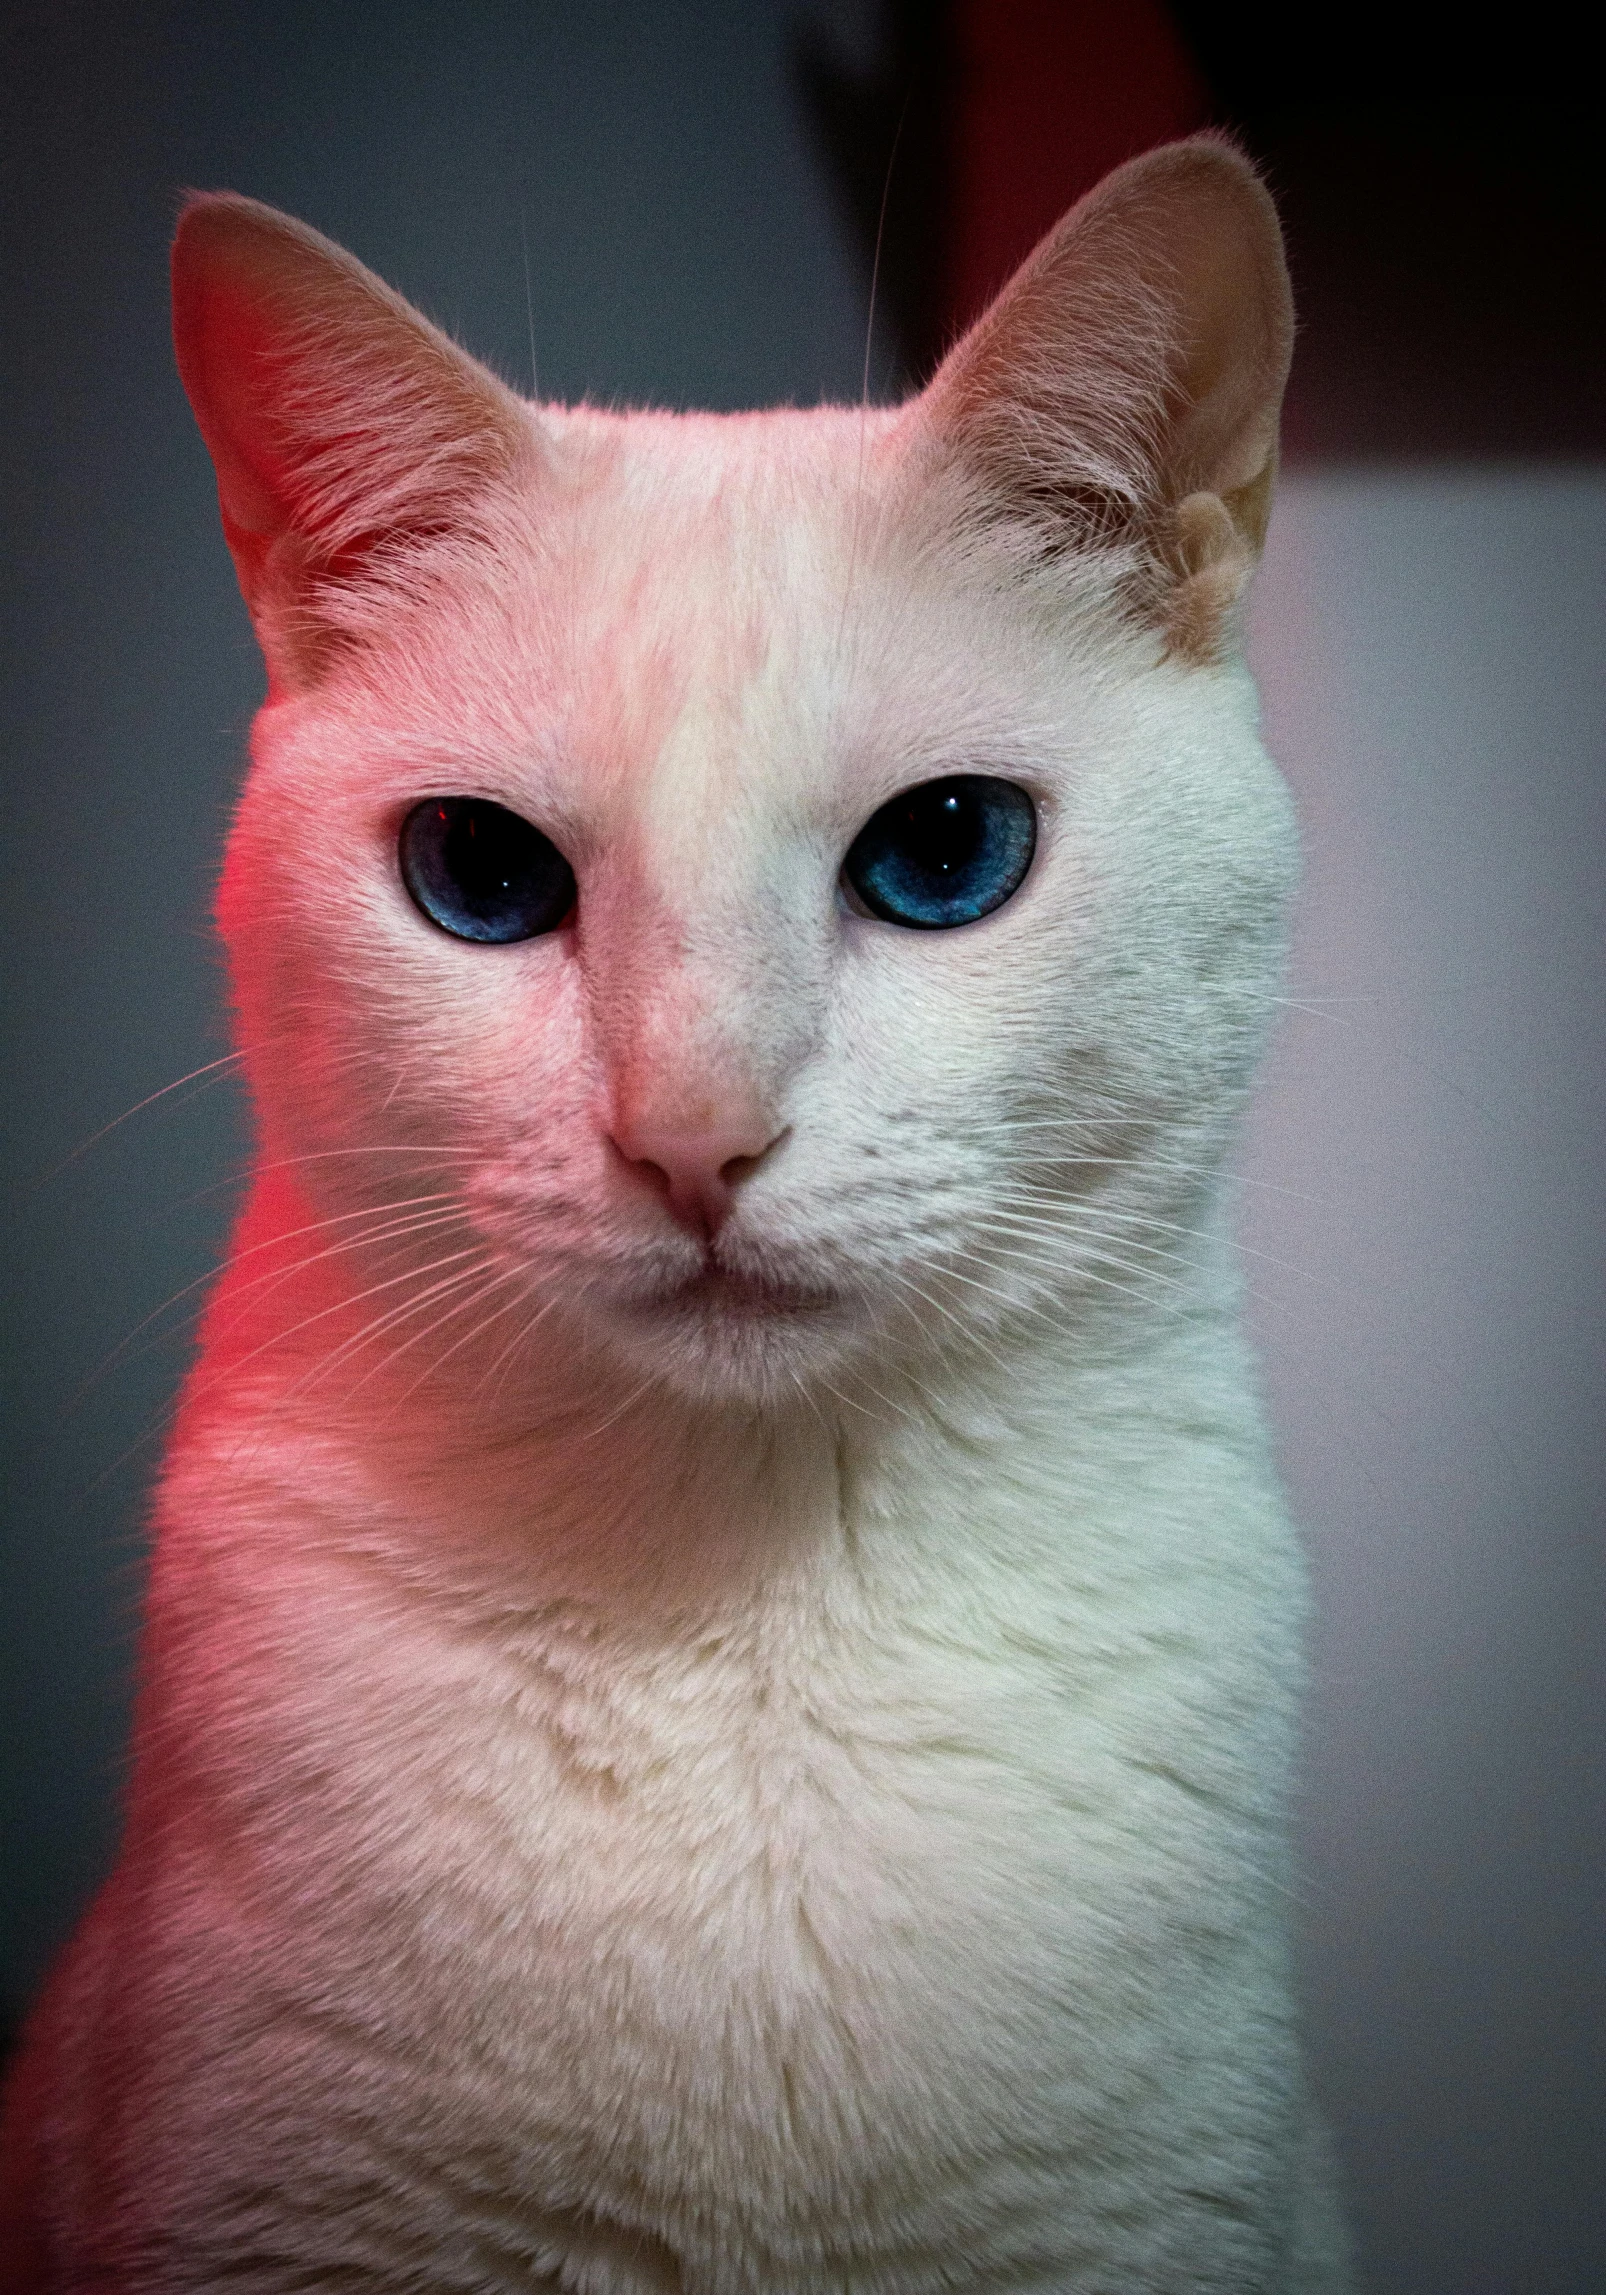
699,1170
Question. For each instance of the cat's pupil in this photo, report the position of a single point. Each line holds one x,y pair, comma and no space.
945,853
478,861
481,872
944,836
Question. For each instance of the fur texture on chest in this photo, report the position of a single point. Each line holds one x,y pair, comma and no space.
919,1885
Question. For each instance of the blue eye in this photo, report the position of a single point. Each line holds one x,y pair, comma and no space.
945,853
481,872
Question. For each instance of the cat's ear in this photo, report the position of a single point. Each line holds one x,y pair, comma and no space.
344,428
1124,389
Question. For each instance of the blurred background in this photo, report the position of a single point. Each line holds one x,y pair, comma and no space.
678,204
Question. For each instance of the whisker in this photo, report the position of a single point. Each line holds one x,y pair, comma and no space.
211,1072
379,1324
971,1336
1102,1258
847,1401
1149,1271
477,1330
529,299
1085,1272
808,1401
272,1279
498,1370
629,1402
128,1350
280,1338
1080,1234
475,1298
243,1174
1090,1216
864,388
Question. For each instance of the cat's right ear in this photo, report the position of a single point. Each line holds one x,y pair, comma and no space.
1123,392
343,426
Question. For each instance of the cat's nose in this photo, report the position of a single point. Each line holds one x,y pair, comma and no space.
699,1168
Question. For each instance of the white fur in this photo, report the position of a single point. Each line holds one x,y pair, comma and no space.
635,1793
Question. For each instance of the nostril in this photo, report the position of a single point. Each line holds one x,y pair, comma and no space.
746,1161
653,1173
736,1168
696,1171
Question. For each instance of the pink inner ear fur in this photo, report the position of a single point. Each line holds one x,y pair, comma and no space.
1133,371
226,358
337,417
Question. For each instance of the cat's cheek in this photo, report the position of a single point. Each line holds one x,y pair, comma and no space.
935,1025
517,1076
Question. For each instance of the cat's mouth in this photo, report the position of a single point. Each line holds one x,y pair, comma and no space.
724,1290
742,1294
725,1331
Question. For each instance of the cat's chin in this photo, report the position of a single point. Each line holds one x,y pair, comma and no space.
734,1334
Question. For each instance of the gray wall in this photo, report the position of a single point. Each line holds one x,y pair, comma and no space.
1423,1191
1426,1215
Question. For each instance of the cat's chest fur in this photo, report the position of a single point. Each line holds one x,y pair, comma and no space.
811,1935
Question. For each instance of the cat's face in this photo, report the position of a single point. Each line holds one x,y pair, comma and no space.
714,1116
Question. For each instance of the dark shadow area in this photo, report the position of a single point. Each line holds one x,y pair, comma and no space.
1444,203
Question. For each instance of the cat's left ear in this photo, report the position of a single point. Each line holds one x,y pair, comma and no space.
344,428
1123,392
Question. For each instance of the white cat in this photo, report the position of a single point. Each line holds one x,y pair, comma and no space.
723,1648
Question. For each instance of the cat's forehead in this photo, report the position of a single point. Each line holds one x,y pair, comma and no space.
722,536
721,587
693,596
731,474
693,623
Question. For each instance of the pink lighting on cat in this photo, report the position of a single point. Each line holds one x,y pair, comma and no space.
713,1782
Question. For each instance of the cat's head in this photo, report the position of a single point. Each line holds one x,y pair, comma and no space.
771,897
